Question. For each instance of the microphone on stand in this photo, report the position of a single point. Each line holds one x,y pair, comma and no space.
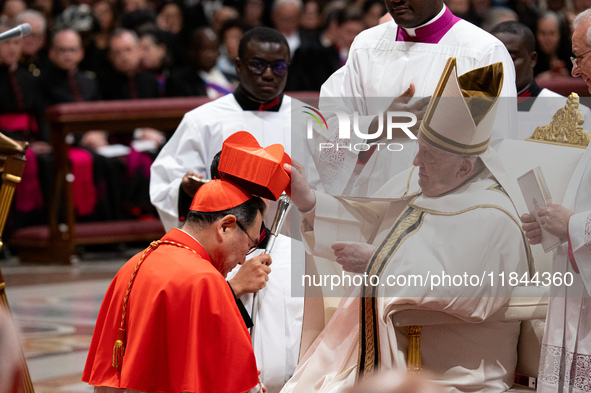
19,31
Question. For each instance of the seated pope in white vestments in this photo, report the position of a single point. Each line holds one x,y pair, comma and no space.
451,216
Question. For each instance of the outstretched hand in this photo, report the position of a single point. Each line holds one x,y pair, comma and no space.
353,256
402,104
191,182
299,190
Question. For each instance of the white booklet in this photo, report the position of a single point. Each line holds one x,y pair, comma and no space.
535,191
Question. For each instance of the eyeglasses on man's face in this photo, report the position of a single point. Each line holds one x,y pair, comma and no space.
575,59
259,66
255,243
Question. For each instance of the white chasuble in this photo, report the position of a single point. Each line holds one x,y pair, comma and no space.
469,231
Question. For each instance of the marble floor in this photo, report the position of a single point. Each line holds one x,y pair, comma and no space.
55,309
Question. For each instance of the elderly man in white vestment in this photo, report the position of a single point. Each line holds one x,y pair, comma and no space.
453,217
403,57
565,362
259,106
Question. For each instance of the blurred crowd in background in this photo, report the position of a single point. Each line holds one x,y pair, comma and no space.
128,49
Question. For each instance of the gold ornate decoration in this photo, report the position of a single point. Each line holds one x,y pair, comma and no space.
566,127
407,224
414,349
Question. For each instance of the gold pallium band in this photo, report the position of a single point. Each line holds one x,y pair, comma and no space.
407,224
443,143
498,188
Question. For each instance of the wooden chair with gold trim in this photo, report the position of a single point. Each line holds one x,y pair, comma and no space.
12,165
562,145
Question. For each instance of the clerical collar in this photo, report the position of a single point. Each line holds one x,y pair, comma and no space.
431,32
527,96
531,90
192,237
249,105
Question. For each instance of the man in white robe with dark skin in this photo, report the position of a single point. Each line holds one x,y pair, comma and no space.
436,227
535,105
565,361
401,58
259,106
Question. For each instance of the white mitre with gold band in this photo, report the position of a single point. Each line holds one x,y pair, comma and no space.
461,114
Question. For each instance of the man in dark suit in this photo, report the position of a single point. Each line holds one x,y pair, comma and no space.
125,80
63,81
202,77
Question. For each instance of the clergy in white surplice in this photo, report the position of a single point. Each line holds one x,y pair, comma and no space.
258,106
565,361
450,216
383,63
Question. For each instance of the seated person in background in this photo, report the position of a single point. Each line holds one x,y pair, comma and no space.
535,105
230,36
125,80
435,228
553,47
317,59
21,119
34,55
202,77
64,81
156,57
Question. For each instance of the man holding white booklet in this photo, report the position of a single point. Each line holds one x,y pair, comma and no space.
566,347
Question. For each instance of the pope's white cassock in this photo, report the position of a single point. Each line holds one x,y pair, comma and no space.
472,230
383,62
565,364
198,138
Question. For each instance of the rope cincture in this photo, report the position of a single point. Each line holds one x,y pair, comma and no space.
121,342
